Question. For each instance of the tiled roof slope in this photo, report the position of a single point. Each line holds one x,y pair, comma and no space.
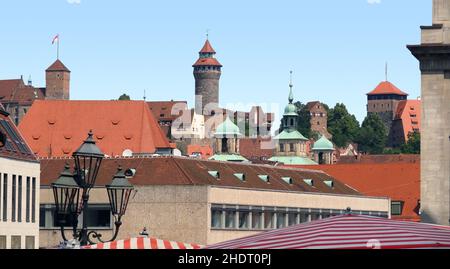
14,90
409,112
386,87
399,181
13,145
188,171
55,128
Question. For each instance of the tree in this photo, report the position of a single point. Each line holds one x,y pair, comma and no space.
413,144
342,125
124,97
304,119
372,136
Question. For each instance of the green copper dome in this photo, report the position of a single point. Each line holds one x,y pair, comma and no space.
227,129
290,110
323,144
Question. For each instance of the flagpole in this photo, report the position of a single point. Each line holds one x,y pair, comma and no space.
57,50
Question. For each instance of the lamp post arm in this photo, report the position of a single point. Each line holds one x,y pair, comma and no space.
98,236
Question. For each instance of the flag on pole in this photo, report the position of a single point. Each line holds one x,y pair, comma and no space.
55,39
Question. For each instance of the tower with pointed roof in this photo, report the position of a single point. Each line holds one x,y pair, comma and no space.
384,101
434,56
207,72
57,78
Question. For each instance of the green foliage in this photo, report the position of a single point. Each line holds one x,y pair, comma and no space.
304,120
392,151
342,125
124,97
413,144
372,136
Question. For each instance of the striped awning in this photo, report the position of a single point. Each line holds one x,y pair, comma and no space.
347,232
143,243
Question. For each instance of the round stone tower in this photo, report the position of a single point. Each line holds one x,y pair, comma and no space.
207,71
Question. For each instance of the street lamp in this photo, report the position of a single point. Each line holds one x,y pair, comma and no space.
67,188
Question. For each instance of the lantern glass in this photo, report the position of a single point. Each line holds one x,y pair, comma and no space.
88,159
119,192
65,191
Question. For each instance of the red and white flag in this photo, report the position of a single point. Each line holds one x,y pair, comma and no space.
55,39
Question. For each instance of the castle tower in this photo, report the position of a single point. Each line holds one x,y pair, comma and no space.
383,101
434,57
57,79
207,71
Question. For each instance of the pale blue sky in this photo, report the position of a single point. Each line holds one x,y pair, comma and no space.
337,49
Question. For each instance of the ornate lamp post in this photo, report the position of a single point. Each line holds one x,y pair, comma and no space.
69,186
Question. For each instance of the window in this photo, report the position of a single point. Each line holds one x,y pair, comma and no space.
2,241
292,219
16,242
257,220
318,123
304,217
292,122
13,198
33,201
216,218
244,220
315,216
19,199
268,220
29,242
99,217
281,147
27,208
397,208
230,219
291,147
281,220
5,197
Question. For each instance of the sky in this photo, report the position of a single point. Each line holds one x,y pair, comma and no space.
337,50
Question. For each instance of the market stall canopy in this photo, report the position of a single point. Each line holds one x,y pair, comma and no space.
143,243
347,232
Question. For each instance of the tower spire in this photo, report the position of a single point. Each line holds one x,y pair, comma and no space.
291,94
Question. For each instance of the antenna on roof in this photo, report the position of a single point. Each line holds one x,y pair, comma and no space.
207,34
386,71
30,82
145,96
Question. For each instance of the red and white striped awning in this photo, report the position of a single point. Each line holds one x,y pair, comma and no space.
143,243
347,232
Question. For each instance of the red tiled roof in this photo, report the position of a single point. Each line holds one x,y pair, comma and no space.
252,148
162,110
409,112
399,181
8,86
373,159
205,151
15,145
58,66
15,91
386,88
207,62
207,48
55,128
189,171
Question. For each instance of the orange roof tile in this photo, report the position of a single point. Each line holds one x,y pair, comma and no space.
58,66
207,62
386,87
409,112
55,128
205,151
399,181
207,48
